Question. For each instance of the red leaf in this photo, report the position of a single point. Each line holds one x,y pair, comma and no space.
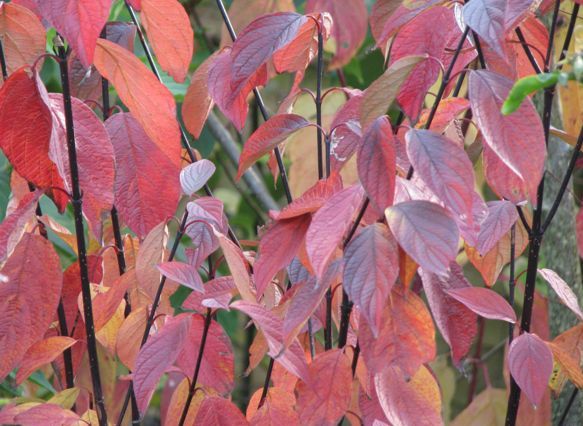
484,302
324,399
218,411
371,267
406,336
427,232
563,291
106,304
311,200
238,267
579,231
350,25
456,323
233,103
445,168
501,216
418,38
42,353
28,298
267,137
259,41
217,367
503,181
47,414
447,111
146,181
143,94
94,157
414,401
79,21
329,225
493,19
169,31
291,358
278,246
530,362
157,355
518,139
217,295
377,165
182,273
12,227
278,408
26,145
198,102
23,36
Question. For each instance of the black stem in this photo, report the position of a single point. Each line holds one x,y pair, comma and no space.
568,407
523,219
192,388
527,50
536,235
67,356
261,105
77,200
155,303
511,283
3,62
319,74
266,383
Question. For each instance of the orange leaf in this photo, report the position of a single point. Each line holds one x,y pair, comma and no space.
42,353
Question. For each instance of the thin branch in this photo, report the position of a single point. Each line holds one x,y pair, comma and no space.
568,407
511,282
523,220
77,201
527,50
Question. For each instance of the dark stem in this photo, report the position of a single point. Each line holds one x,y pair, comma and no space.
192,388
523,219
155,303
320,72
511,283
67,356
266,383
568,407
477,355
355,358
527,50
77,201
3,62
261,105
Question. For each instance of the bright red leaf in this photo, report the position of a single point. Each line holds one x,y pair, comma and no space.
427,232
79,21
198,102
42,353
530,362
218,411
146,180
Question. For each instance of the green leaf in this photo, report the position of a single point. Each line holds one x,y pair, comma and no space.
524,87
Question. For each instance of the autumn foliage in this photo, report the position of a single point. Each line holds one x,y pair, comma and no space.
408,211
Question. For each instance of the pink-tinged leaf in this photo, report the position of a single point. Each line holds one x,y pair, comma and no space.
427,232
195,175
579,230
484,302
447,111
157,355
346,132
79,21
447,171
217,295
168,27
296,55
47,414
259,41
379,96
238,267
233,103
136,4
218,411
204,214
198,103
563,291
42,353
146,181
95,157
23,36
324,399
388,16
27,145
182,273
329,225
12,227
143,94
267,137
530,362
518,139
216,370
409,401
418,38
371,267
311,200
501,216
503,181
455,321
278,246
493,19
106,304
278,408
377,164
406,335
291,358
350,25
28,298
